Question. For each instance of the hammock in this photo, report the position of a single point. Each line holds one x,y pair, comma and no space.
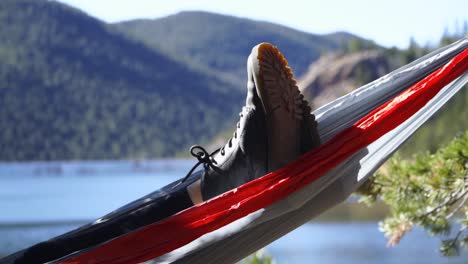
360,131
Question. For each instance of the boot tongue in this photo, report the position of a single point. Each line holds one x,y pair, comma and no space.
233,144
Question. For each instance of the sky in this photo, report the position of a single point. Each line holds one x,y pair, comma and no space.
389,23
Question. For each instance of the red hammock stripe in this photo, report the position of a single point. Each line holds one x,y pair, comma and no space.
162,237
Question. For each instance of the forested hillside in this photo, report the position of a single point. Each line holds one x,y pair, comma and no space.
221,44
71,88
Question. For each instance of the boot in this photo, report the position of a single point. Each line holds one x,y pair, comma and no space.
275,127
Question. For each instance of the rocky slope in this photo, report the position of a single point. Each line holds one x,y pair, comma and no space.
334,75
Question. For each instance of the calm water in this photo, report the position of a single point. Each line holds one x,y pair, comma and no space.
42,200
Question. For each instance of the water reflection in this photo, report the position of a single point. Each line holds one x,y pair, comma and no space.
35,207
356,243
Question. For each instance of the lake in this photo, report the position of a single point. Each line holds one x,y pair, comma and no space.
39,200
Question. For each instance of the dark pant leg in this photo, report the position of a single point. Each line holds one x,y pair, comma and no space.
158,209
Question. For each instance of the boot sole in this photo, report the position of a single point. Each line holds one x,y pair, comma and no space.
278,91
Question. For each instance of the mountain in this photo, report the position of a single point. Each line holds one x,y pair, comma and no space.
336,74
71,87
220,44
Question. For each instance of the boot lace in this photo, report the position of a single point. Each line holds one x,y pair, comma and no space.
206,159
234,135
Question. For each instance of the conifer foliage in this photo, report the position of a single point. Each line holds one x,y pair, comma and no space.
430,191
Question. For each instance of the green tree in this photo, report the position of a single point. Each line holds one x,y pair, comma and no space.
430,191
259,257
355,45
